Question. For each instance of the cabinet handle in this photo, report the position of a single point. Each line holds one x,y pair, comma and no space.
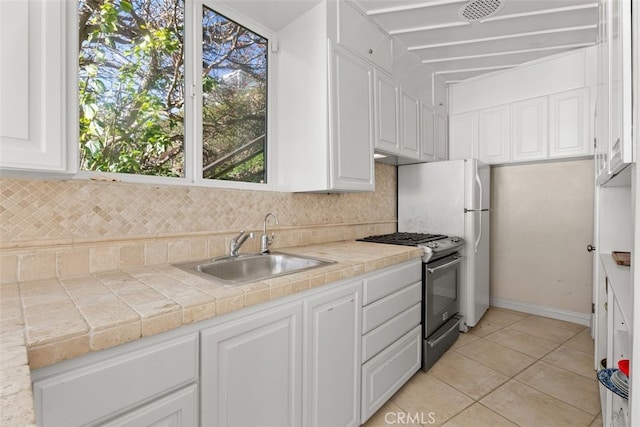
590,248
331,308
370,51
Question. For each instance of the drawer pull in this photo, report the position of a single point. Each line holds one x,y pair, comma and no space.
370,51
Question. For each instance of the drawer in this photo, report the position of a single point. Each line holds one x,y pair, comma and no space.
93,392
380,338
383,284
390,306
383,375
363,37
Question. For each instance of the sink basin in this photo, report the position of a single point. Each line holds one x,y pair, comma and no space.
251,267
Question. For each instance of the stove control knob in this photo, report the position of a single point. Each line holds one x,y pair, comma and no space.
455,239
432,245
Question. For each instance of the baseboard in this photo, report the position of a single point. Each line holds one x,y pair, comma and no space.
540,310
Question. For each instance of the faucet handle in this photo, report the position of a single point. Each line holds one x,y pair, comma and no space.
239,235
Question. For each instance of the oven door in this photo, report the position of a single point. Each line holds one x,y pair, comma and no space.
441,281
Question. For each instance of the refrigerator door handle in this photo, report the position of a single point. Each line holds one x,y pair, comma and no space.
477,244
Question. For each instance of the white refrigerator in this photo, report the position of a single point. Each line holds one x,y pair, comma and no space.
452,198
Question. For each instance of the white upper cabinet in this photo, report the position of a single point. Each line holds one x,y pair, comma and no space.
324,109
352,166
411,143
530,130
427,129
535,112
493,137
620,88
441,132
33,86
363,37
387,113
569,124
463,139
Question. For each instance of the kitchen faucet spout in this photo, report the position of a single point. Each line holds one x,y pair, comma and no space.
265,241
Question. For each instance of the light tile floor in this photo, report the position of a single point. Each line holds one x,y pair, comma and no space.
512,369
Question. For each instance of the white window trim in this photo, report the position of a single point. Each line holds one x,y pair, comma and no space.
193,89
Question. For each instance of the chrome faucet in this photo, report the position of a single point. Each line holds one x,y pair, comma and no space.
237,242
265,241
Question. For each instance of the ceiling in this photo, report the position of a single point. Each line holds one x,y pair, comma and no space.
520,31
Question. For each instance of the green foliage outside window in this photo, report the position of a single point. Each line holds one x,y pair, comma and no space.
131,85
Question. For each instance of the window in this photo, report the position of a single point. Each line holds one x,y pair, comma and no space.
135,89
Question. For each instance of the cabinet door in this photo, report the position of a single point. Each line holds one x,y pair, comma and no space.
387,111
569,124
463,142
101,390
251,370
493,139
602,99
332,357
620,144
428,131
179,409
33,86
384,374
364,37
410,147
352,137
529,130
441,133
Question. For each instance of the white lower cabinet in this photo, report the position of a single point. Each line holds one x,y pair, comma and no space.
179,409
384,374
96,392
391,333
251,370
332,357
293,362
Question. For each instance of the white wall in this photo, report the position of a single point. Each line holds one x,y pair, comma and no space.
542,221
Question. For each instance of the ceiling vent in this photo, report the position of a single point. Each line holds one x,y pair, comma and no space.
477,10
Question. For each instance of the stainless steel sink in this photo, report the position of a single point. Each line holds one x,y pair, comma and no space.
251,267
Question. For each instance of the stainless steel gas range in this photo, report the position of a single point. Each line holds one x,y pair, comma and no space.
441,272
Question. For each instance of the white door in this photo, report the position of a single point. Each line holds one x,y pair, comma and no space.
352,166
251,370
332,358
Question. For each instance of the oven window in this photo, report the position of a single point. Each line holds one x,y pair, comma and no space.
444,291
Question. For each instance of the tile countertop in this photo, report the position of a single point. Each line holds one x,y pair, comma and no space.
45,322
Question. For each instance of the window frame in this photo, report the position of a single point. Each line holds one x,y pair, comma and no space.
193,155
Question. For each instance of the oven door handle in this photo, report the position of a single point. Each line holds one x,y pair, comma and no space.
440,267
433,343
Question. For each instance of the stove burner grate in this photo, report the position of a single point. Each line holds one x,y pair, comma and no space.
406,239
